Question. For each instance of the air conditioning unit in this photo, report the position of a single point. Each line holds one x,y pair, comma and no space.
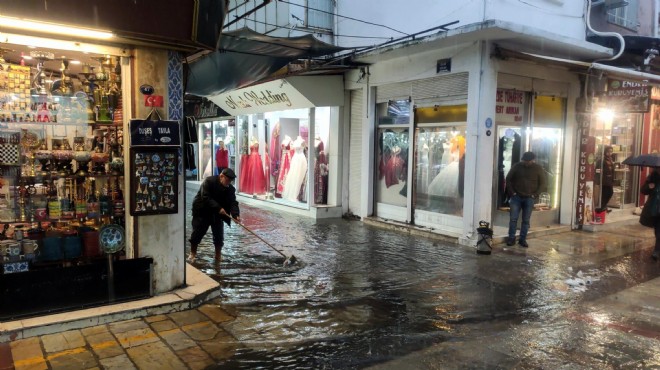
610,4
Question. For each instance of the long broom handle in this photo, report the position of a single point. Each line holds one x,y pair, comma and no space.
260,238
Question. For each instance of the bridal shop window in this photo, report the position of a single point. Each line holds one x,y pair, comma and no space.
274,155
392,152
440,133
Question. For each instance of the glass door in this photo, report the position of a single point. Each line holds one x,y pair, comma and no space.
392,152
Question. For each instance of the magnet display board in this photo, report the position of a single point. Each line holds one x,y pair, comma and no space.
154,181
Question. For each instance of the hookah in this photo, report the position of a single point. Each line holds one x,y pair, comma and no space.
39,81
29,142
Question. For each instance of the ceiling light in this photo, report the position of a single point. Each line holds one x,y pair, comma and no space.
53,28
74,62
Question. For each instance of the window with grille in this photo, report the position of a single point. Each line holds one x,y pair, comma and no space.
625,16
319,13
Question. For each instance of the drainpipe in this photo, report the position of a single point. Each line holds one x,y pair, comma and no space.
610,34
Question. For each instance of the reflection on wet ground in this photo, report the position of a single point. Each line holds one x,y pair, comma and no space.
363,296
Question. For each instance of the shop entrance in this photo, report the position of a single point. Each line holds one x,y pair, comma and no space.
619,135
530,123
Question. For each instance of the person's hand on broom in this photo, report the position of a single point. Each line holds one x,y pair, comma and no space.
225,214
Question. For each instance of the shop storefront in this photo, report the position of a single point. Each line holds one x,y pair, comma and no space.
530,121
420,151
212,147
283,142
72,232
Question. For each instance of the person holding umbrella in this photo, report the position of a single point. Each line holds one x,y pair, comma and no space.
650,213
650,216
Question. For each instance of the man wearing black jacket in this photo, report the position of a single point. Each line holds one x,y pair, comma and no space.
214,203
524,183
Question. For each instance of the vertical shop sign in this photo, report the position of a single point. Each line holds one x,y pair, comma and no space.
586,171
509,107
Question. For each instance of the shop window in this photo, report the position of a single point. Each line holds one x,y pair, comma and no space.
440,158
542,133
223,145
439,169
392,166
275,149
61,159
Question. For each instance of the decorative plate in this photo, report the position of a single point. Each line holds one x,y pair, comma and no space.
155,158
112,238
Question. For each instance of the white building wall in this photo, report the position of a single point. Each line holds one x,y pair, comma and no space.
397,18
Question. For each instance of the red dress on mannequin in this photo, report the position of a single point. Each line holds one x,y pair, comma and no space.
221,158
287,152
255,181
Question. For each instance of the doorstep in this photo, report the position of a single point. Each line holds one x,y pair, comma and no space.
199,289
614,220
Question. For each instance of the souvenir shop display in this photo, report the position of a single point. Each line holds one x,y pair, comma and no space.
53,124
154,181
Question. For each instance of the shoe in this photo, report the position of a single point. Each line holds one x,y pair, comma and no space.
510,241
523,243
191,257
655,255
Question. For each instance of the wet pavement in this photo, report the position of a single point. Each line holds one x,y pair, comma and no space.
369,297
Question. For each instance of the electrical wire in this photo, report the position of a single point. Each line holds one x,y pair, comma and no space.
343,16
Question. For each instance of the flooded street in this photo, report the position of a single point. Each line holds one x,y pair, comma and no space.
362,296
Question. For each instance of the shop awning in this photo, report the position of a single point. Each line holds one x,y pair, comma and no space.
293,92
246,57
585,67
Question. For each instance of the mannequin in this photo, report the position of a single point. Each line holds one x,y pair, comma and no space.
320,173
221,156
255,182
297,171
284,165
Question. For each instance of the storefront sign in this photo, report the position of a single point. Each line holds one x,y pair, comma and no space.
267,97
628,96
203,109
509,108
443,65
154,133
586,170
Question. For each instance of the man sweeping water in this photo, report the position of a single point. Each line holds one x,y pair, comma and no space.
214,204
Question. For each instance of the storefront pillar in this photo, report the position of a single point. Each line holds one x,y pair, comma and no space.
161,237
480,143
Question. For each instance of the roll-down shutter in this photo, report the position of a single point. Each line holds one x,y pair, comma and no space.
355,155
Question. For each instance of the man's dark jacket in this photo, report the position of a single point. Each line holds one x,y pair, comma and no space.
212,196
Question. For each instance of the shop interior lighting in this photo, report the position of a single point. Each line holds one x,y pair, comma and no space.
52,28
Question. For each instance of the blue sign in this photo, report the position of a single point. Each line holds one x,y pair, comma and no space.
489,122
154,133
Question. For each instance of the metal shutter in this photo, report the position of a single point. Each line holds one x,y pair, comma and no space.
441,86
392,92
355,155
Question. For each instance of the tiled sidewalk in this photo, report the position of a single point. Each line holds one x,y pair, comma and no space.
191,339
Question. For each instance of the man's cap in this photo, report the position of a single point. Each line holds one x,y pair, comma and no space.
229,173
528,156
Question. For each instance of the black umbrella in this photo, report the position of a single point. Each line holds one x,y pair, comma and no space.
644,160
